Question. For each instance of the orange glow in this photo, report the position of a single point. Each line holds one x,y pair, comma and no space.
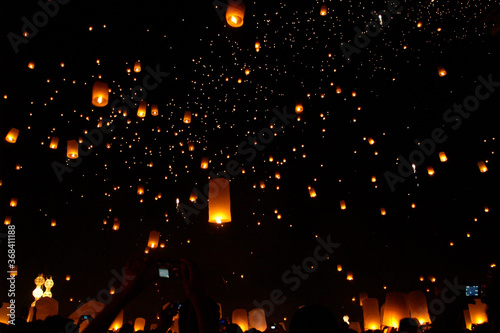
137,67
430,171
235,13
154,239
323,10
72,149
299,108
219,201
441,71
187,117
141,111
482,166
204,163
12,135
442,157
140,190
100,94
342,205
154,110
312,192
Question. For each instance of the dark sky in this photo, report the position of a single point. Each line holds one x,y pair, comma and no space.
400,98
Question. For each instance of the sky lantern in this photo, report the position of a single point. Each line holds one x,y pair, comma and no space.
54,142
339,268
441,71
257,46
323,10
482,166
154,110
257,320
204,162
53,222
371,142
371,314
350,276
141,111
477,312
68,277
12,135
418,306
382,211
117,323
419,24
342,205
140,190
430,171
240,318
137,67
154,239
312,192
395,309
116,224
187,117
262,184
299,108
7,220
31,65
139,324
193,197
100,94
235,13
353,94
219,201
338,90
468,324
72,149
443,157
13,202
191,146
277,175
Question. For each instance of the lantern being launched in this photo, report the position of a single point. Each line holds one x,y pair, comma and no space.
219,201
235,13
100,94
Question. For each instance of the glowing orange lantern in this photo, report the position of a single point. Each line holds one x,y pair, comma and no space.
72,149
53,222
240,318
137,67
219,201
299,108
54,142
382,211
100,94
395,309
323,10
191,146
141,111
477,312
140,190
371,141
68,277
419,24
312,192
468,324
204,163
277,175
482,166
342,205
338,90
418,306
187,117
339,268
262,184
235,13
257,46
154,239
350,276
12,135
193,197
13,202
443,157
430,171
371,314
154,110
139,324
441,71
7,220
31,65
117,323
116,224
257,320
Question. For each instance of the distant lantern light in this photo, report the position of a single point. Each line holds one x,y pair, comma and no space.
191,146
12,135
299,108
262,184
13,202
441,71
187,117
204,163
323,10
374,179
100,94
312,192
72,149
116,224
277,175
443,157
140,190
68,277
486,209
419,24
154,110
350,276
257,46
154,239
354,93
193,197
430,171
382,211
7,220
54,142
338,90
482,166
339,268
219,201
137,67
31,65
141,111
53,222
342,205
371,141
235,13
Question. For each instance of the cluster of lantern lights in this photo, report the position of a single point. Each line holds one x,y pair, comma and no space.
41,282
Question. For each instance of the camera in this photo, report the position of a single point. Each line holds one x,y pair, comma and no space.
473,291
169,269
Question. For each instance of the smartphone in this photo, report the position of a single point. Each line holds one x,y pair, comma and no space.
169,269
471,290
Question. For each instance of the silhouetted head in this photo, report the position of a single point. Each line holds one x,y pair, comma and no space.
313,319
233,328
408,325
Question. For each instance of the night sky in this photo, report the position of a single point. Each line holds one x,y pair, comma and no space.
442,225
